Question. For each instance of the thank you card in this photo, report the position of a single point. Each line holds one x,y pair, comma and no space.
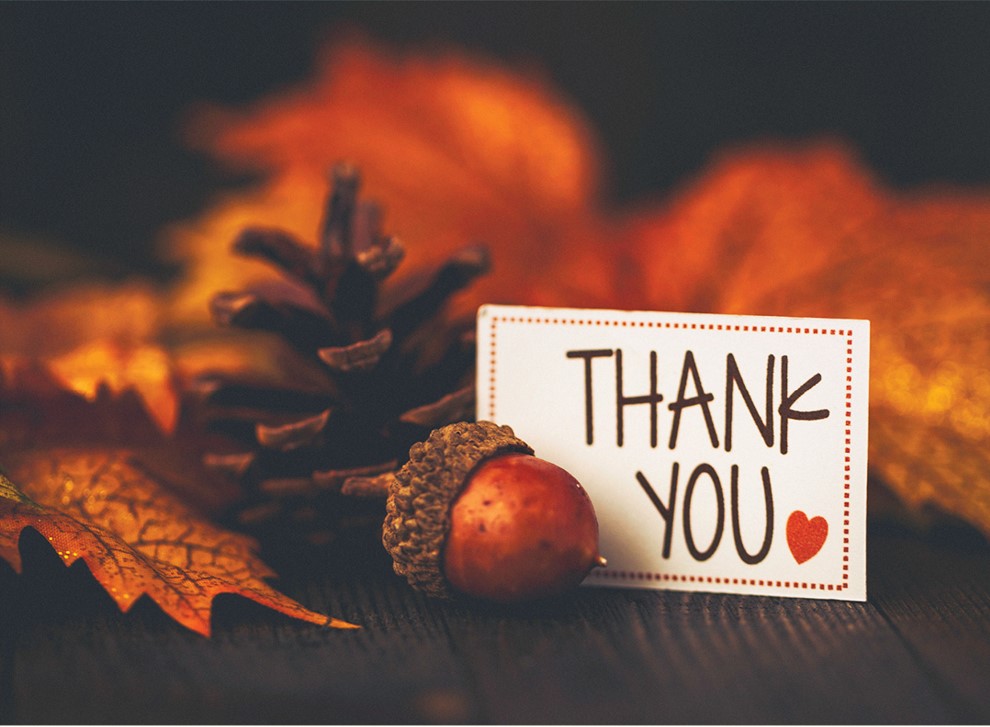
722,453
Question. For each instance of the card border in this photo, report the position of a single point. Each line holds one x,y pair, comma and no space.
515,315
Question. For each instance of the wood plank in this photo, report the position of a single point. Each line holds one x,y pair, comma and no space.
79,660
629,657
936,594
9,603
597,656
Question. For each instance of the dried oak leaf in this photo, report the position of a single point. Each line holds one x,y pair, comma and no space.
135,537
37,411
92,338
144,368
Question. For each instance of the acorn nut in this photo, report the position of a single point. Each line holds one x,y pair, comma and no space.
474,512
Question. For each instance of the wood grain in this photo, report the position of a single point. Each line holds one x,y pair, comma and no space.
917,652
936,595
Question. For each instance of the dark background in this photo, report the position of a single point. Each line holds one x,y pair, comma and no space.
93,95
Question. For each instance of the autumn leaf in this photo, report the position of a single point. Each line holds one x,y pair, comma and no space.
95,338
461,149
68,404
135,537
145,368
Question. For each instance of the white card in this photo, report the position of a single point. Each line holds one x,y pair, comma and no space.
722,453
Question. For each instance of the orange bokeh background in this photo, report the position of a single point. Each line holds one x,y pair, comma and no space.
460,150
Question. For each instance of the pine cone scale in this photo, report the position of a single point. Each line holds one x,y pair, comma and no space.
280,249
301,433
454,407
300,327
358,356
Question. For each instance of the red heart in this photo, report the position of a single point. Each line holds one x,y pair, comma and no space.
805,537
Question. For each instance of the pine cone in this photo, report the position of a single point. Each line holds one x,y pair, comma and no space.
395,369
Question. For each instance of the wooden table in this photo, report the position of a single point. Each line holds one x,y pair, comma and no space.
917,651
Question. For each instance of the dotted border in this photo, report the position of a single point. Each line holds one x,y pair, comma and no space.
605,573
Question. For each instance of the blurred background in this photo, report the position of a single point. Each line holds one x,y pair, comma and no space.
95,97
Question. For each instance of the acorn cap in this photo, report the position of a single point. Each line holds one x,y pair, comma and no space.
417,516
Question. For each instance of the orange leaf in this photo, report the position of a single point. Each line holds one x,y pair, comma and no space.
135,537
144,368
95,337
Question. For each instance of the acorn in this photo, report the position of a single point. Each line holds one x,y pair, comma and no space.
474,512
